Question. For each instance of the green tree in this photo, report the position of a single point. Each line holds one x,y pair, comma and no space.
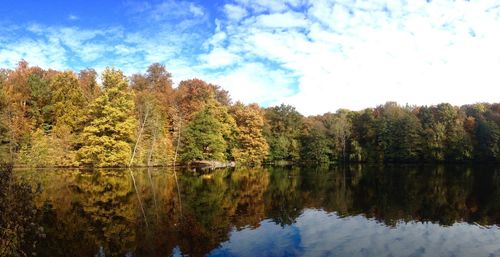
210,134
399,134
107,139
364,135
40,110
282,131
315,146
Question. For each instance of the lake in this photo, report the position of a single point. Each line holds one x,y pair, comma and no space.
357,210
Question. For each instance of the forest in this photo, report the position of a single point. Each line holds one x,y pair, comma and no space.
69,119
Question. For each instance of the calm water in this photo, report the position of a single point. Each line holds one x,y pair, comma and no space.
351,211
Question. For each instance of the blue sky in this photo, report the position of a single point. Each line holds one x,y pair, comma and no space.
316,55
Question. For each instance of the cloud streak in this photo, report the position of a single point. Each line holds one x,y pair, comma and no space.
317,55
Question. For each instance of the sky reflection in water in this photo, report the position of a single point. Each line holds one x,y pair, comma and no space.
318,233
329,211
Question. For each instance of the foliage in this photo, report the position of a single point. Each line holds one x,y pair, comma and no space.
153,98
316,146
251,146
398,134
210,135
60,118
68,100
282,131
107,139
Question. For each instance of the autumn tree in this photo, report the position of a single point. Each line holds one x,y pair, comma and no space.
251,147
68,100
87,79
69,105
16,112
153,101
192,96
107,139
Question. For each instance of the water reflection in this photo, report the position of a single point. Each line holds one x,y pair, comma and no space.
321,211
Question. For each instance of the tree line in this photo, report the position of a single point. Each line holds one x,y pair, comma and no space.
63,118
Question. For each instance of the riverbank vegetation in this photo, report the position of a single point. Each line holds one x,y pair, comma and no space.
63,118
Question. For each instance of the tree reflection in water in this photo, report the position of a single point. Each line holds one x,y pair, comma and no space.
93,213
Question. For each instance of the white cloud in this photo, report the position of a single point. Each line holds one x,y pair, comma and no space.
260,6
318,55
44,53
281,20
235,12
254,83
358,54
219,57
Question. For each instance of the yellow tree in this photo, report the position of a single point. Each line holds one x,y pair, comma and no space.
107,139
251,146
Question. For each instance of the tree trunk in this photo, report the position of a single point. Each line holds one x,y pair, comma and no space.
153,142
139,136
